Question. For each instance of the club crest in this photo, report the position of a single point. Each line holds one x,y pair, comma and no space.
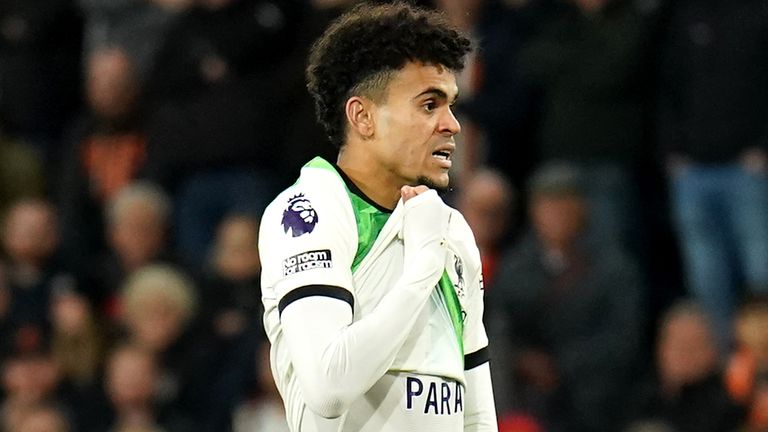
299,217
459,268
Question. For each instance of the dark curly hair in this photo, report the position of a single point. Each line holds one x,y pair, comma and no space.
360,51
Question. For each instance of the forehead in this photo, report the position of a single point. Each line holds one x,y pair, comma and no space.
416,78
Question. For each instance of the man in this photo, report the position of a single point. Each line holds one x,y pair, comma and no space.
371,284
712,89
567,312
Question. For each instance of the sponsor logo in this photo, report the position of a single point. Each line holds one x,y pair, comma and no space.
458,265
299,217
307,261
430,397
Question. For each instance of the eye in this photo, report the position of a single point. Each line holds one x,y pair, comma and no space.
429,106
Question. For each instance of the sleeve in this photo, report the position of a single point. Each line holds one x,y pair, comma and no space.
480,410
335,358
308,240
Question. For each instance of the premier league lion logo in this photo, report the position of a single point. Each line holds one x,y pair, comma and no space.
300,217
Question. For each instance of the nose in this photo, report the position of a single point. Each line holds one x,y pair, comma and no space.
449,124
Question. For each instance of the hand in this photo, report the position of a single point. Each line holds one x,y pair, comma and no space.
408,192
425,226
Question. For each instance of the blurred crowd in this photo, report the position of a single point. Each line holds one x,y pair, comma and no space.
613,164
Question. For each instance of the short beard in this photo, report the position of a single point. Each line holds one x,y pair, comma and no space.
430,184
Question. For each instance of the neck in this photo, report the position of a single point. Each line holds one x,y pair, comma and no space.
376,183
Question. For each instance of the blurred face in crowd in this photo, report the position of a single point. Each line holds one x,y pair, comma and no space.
70,314
156,323
486,205
687,351
30,379
131,377
31,233
112,86
236,255
43,420
138,235
558,220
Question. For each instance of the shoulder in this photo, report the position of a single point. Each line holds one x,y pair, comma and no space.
317,196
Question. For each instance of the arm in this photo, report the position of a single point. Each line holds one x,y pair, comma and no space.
336,359
480,412
480,409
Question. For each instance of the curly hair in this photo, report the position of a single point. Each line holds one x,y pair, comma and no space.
360,51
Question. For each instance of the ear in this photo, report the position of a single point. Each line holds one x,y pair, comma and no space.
360,116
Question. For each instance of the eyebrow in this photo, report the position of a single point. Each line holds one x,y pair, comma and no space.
434,91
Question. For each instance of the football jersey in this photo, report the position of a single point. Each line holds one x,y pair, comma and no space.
323,232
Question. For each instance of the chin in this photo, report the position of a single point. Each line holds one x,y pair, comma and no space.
439,184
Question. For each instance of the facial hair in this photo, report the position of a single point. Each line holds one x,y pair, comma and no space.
422,180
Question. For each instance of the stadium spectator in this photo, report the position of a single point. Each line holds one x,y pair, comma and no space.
213,128
133,379
231,315
160,305
137,220
713,101
688,393
588,60
263,410
45,418
30,242
488,202
105,151
565,313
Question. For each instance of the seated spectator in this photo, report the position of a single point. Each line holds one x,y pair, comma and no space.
132,379
30,378
565,313
747,373
77,343
263,411
30,241
232,293
137,220
77,347
231,315
44,418
687,394
159,305
105,150
487,201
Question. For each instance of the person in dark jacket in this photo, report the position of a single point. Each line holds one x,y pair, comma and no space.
713,103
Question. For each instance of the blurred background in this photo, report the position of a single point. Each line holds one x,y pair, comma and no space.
613,165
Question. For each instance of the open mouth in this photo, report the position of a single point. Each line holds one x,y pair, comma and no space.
443,155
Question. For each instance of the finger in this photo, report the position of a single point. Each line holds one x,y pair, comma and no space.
407,192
